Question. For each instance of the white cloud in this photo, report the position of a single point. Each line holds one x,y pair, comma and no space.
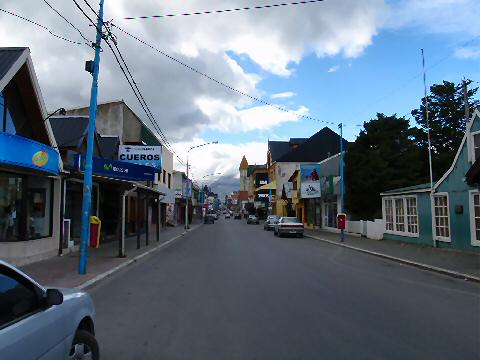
220,158
228,118
436,16
333,69
467,53
283,95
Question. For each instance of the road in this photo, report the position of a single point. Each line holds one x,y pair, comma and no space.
233,291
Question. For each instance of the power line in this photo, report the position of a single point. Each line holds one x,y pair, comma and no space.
43,27
221,83
209,12
131,80
69,22
133,85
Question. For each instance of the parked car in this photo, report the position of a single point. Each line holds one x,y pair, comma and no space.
288,226
238,216
227,215
270,222
44,323
252,219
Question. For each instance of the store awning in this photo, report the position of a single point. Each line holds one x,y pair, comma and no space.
270,186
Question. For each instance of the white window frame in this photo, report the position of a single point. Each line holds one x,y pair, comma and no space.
405,219
473,235
417,224
472,142
434,230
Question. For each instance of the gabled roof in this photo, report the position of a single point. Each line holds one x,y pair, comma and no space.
8,58
69,131
16,65
318,147
278,149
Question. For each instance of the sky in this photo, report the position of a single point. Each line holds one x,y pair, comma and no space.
337,61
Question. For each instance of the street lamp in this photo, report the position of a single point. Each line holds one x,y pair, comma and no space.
187,195
61,111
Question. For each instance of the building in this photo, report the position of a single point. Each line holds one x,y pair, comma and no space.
286,157
244,183
29,165
446,216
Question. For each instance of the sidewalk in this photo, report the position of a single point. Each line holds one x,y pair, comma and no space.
62,271
450,262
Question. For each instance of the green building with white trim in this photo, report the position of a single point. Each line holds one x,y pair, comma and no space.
447,215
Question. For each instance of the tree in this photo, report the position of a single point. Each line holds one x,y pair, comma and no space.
384,156
446,112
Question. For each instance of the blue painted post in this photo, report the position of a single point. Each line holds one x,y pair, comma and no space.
342,232
87,177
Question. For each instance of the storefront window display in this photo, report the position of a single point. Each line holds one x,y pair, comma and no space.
25,207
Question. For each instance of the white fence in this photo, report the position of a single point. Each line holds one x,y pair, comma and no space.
370,229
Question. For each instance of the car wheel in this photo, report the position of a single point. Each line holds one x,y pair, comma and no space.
84,346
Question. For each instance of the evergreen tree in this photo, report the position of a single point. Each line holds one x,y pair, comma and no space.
383,157
446,112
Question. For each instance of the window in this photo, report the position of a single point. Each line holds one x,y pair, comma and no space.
412,216
389,214
399,215
17,298
330,214
25,207
442,229
475,217
164,177
476,145
169,181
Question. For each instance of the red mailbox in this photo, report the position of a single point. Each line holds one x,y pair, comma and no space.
342,221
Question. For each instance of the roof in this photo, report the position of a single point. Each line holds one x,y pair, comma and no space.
69,131
278,149
252,168
408,189
8,57
473,174
243,163
108,146
318,147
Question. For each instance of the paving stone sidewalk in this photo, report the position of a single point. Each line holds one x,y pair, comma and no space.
451,260
62,271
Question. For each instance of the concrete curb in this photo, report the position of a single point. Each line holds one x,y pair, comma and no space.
88,284
443,271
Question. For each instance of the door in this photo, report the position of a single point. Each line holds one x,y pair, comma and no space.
27,329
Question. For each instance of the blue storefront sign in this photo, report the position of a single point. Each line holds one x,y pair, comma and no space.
19,151
117,169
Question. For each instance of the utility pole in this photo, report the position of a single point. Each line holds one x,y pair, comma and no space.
428,136
87,176
467,106
342,231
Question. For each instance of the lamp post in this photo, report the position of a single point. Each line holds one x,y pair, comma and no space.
187,193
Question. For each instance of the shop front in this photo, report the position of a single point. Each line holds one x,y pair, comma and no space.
29,190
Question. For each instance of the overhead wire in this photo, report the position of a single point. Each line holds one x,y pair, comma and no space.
132,83
210,12
69,22
219,82
43,27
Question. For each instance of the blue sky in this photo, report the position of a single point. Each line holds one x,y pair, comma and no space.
385,78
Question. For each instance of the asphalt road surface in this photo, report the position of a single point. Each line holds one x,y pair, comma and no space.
233,291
